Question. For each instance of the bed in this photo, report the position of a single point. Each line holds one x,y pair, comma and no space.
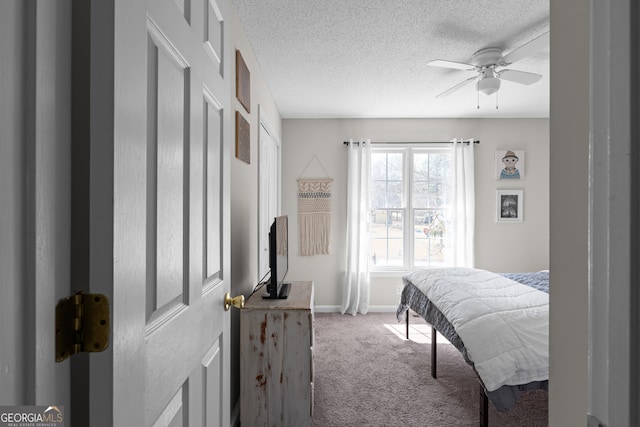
498,322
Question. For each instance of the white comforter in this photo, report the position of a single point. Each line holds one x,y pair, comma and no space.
503,324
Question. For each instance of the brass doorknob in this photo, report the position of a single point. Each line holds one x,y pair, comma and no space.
237,302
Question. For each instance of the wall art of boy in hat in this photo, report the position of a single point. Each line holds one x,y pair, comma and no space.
510,171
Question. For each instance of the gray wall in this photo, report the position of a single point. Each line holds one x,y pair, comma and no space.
499,246
244,194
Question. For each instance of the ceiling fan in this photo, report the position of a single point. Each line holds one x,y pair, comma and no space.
486,63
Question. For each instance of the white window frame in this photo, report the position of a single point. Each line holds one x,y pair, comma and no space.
408,215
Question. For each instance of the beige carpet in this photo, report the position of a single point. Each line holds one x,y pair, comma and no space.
368,374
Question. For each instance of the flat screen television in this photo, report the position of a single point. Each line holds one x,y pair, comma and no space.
278,258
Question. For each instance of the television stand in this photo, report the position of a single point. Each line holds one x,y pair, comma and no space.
276,359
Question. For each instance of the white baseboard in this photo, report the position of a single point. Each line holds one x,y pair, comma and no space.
372,309
383,309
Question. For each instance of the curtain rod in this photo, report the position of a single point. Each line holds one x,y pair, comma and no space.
406,143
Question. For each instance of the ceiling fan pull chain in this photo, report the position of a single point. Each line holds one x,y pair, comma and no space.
478,92
496,100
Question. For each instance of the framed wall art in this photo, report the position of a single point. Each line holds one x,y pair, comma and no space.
243,138
509,205
243,82
510,164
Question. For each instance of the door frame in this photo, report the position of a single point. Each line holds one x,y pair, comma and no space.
36,102
264,220
614,206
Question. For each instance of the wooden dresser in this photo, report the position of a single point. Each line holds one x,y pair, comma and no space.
276,359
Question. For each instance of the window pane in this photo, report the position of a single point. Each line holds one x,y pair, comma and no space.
386,180
386,253
430,234
378,196
395,166
421,167
379,166
394,194
430,187
395,257
387,237
385,166
420,194
430,194
386,194
438,165
437,195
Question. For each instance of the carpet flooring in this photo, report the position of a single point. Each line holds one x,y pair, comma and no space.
367,374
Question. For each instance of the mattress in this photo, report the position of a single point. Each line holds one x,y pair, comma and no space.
478,304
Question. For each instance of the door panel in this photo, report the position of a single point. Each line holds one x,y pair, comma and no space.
212,379
167,106
213,153
173,414
213,32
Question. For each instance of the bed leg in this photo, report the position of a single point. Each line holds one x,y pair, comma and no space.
484,408
407,314
434,348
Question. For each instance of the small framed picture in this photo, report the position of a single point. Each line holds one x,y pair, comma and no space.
509,205
243,138
510,164
243,82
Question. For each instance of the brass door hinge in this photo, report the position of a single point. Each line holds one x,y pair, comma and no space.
82,324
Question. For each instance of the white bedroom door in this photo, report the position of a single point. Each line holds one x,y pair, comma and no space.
159,211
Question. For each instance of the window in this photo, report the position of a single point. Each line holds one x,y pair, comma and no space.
410,197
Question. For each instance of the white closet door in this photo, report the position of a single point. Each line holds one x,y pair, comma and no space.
269,187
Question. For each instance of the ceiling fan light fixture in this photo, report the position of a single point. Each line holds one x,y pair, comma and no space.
489,85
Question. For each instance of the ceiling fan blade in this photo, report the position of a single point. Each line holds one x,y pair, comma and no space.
451,64
456,87
521,77
527,49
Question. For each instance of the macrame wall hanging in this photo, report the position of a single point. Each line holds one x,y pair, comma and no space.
314,214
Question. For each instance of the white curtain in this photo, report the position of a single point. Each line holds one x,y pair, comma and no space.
355,296
463,227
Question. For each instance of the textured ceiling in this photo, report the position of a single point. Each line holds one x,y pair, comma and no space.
368,58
